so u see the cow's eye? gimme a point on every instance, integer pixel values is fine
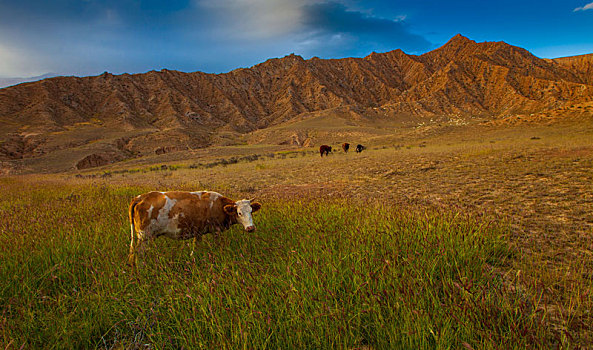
(240, 214)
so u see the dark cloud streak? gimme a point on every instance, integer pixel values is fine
(332, 18)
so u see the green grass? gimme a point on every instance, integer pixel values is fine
(316, 274)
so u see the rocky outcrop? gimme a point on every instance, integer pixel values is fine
(299, 139)
(168, 149)
(20, 145)
(581, 65)
(92, 161)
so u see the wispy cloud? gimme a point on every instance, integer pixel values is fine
(256, 19)
(589, 6)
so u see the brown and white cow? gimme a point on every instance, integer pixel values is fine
(185, 215)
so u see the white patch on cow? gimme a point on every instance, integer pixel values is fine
(163, 224)
(149, 211)
(173, 225)
(244, 213)
(214, 196)
(198, 193)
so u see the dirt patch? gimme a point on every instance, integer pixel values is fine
(168, 149)
(92, 161)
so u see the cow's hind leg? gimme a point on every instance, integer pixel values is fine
(131, 256)
(138, 248)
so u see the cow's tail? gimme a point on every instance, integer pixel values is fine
(131, 213)
(131, 258)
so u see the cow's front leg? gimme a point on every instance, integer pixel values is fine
(217, 233)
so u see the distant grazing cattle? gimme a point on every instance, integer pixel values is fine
(185, 215)
(360, 148)
(325, 149)
(346, 146)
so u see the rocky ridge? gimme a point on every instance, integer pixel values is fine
(171, 110)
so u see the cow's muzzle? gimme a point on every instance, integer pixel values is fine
(250, 228)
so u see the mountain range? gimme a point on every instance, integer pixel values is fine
(117, 117)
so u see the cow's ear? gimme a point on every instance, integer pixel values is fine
(255, 207)
(230, 209)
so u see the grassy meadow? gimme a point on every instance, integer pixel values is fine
(476, 240)
(316, 274)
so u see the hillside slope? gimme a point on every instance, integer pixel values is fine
(123, 116)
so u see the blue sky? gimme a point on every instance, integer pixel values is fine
(88, 37)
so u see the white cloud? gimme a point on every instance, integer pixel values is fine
(589, 6)
(16, 62)
(258, 19)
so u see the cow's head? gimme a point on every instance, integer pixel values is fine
(242, 211)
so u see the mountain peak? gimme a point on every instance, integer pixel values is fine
(294, 56)
(452, 48)
(459, 40)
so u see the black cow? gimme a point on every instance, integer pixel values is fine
(346, 146)
(360, 148)
(325, 149)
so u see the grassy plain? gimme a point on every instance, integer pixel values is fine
(475, 237)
